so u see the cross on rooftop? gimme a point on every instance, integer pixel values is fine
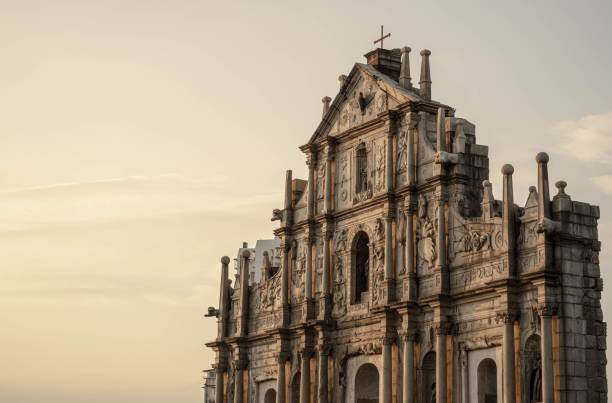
(382, 37)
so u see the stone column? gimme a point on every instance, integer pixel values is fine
(547, 359)
(389, 249)
(305, 377)
(285, 282)
(408, 390)
(411, 122)
(312, 165)
(441, 131)
(441, 364)
(239, 383)
(508, 214)
(326, 280)
(285, 274)
(288, 208)
(389, 158)
(386, 369)
(425, 81)
(508, 357)
(323, 377)
(280, 380)
(404, 79)
(465, 384)
(328, 178)
(543, 190)
(244, 293)
(441, 241)
(308, 282)
(223, 299)
(219, 384)
(410, 245)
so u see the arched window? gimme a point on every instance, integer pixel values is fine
(487, 381)
(361, 264)
(367, 384)
(361, 183)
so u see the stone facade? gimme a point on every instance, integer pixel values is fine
(402, 278)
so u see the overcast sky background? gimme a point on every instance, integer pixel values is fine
(142, 140)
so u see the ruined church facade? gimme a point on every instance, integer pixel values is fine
(402, 279)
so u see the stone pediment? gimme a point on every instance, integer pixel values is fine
(365, 94)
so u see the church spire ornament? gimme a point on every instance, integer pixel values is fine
(382, 37)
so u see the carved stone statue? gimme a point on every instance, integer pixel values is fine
(432, 398)
(535, 383)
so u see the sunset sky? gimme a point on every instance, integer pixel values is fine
(140, 141)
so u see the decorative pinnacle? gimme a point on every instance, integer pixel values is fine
(406, 49)
(561, 186)
(246, 253)
(542, 158)
(425, 52)
(326, 100)
(507, 169)
(225, 260)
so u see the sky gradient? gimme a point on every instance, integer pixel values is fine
(143, 140)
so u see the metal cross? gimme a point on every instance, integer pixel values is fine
(382, 37)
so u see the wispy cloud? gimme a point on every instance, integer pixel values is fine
(133, 197)
(603, 182)
(587, 139)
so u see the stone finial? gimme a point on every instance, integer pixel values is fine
(561, 185)
(543, 191)
(507, 169)
(405, 79)
(246, 254)
(425, 81)
(342, 79)
(561, 201)
(225, 260)
(326, 100)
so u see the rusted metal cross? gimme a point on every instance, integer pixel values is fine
(382, 37)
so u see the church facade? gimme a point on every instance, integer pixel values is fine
(401, 277)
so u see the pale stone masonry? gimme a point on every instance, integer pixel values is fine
(402, 279)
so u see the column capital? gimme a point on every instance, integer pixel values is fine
(506, 316)
(442, 328)
(323, 349)
(547, 309)
(305, 352)
(410, 336)
(282, 357)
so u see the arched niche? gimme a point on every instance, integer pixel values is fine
(295, 388)
(360, 267)
(487, 381)
(532, 369)
(428, 378)
(367, 384)
(270, 396)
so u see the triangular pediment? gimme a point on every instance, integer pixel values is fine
(365, 94)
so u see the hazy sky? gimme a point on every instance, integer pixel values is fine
(143, 140)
